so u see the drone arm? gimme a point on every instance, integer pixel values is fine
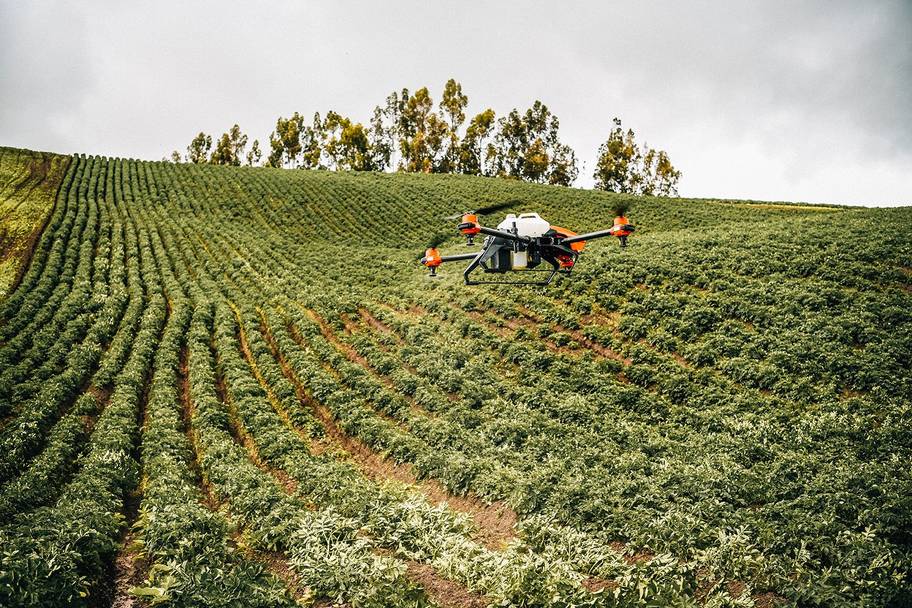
(588, 236)
(458, 257)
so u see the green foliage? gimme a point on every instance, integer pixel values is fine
(285, 142)
(254, 155)
(198, 150)
(624, 166)
(701, 418)
(28, 183)
(527, 146)
(230, 148)
(474, 148)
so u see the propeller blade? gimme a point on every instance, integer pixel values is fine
(487, 209)
(498, 206)
(435, 241)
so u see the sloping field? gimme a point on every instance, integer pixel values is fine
(28, 186)
(237, 387)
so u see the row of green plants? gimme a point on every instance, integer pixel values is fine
(62, 554)
(379, 438)
(69, 356)
(180, 535)
(756, 434)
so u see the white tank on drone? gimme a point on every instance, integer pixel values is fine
(526, 224)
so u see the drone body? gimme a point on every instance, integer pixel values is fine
(524, 243)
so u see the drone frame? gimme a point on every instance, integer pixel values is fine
(554, 247)
(543, 243)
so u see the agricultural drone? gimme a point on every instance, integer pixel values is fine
(520, 243)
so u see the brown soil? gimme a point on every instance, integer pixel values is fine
(637, 558)
(681, 360)
(594, 584)
(130, 569)
(444, 592)
(768, 600)
(102, 395)
(735, 588)
(351, 327)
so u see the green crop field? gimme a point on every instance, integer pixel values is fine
(237, 387)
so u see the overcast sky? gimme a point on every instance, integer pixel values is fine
(802, 101)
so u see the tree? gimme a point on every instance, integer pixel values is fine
(452, 105)
(474, 146)
(528, 147)
(382, 139)
(564, 168)
(198, 150)
(230, 148)
(437, 138)
(664, 176)
(346, 144)
(285, 142)
(623, 166)
(312, 140)
(255, 154)
(412, 130)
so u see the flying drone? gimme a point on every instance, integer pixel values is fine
(520, 243)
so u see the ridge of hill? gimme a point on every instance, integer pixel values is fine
(237, 384)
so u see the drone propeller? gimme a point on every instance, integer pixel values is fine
(487, 209)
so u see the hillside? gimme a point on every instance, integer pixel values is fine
(237, 384)
(28, 185)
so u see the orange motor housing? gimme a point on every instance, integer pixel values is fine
(432, 258)
(470, 218)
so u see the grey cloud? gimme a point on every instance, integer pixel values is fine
(781, 100)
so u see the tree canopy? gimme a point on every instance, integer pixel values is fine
(624, 166)
(408, 132)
